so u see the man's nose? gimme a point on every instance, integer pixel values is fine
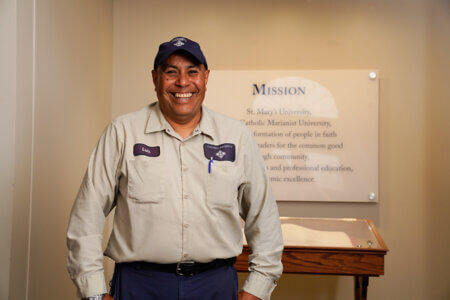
(183, 79)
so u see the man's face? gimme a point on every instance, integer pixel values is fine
(180, 85)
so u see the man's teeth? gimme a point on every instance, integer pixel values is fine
(183, 95)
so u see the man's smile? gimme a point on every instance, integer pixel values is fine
(182, 96)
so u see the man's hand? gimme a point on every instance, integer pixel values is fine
(246, 296)
(108, 297)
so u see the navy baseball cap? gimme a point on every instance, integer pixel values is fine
(179, 44)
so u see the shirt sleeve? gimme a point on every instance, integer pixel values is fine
(262, 225)
(94, 201)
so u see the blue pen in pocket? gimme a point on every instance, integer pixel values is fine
(209, 165)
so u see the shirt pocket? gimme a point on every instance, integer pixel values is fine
(146, 181)
(222, 187)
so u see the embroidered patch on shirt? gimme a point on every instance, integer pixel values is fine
(141, 149)
(221, 152)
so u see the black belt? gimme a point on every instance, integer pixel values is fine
(184, 268)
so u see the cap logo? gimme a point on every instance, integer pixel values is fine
(178, 42)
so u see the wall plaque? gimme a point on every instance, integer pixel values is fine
(317, 130)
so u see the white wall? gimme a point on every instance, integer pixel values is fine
(7, 133)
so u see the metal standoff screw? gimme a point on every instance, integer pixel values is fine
(372, 196)
(372, 75)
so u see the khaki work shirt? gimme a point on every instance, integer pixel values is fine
(172, 203)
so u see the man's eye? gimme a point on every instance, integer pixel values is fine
(193, 72)
(170, 72)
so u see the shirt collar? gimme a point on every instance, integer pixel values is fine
(157, 122)
(205, 124)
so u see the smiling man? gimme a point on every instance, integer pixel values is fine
(180, 177)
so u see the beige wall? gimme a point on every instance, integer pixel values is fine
(64, 106)
(73, 105)
(23, 150)
(89, 69)
(7, 134)
(438, 150)
(392, 36)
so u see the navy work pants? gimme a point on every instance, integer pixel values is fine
(130, 282)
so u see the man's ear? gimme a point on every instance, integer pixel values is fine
(155, 78)
(206, 76)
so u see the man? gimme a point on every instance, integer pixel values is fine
(180, 177)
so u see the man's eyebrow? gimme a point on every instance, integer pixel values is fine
(165, 66)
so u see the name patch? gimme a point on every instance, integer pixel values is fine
(141, 149)
(220, 152)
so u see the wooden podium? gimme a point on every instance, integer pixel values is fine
(330, 246)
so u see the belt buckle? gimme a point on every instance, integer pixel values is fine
(181, 264)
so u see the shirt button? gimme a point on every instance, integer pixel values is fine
(186, 225)
(181, 144)
(186, 196)
(185, 169)
(186, 255)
